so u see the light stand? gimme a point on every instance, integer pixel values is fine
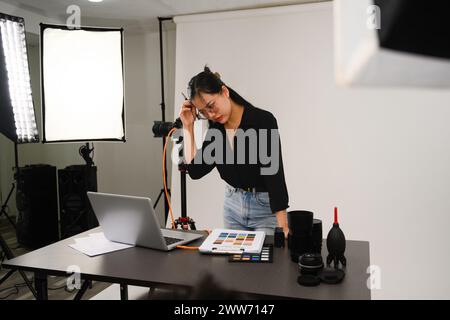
(185, 222)
(17, 118)
(160, 130)
(85, 152)
(4, 246)
(163, 114)
(5, 204)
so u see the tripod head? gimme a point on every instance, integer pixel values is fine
(85, 152)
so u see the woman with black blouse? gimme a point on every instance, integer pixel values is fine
(242, 142)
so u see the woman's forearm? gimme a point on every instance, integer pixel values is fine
(189, 144)
(282, 221)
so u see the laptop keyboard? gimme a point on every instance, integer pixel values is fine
(170, 241)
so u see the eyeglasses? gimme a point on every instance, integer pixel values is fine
(203, 114)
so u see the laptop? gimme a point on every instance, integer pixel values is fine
(132, 220)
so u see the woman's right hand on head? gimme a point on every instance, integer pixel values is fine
(187, 114)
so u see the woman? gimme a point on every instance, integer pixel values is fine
(253, 200)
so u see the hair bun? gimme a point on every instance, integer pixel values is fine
(206, 69)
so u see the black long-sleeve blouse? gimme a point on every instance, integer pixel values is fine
(247, 174)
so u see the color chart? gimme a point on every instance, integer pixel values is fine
(233, 241)
(266, 256)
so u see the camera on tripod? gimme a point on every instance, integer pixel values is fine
(161, 129)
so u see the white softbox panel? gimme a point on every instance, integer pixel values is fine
(82, 84)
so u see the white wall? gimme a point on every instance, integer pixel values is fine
(380, 155)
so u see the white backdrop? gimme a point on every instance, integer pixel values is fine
(381, 155)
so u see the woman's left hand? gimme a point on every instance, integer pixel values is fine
(282, 222)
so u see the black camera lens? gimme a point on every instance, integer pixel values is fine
(310, 263)
(300, 222)
(161, 129)
(300, 240)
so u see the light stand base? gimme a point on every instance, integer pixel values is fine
(9, 256)
(4, 205)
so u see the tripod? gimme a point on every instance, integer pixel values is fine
(4, 246)
(163, 113)
(184, 221)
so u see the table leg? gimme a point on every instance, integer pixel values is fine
(83, 289)
(123, 291)
(41, 285)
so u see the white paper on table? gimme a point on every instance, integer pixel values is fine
(96, 244)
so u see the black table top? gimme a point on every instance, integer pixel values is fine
(148, 267)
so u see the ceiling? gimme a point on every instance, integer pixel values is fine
(139, 15)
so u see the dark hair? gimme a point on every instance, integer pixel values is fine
(209, 82)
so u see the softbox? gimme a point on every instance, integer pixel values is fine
(82, 84)
(17, 118)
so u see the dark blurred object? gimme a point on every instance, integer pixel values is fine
(300, 233)
(392, 43)
(419, 27)
(37, 206)
(279, 237)
(209, 289)
(336, 244)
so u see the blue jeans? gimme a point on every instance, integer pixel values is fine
(245, 210)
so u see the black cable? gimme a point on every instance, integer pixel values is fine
(8, 288)
(23, 284)
(16, 286)
(58, 288)
(9, 295)
(69, 291)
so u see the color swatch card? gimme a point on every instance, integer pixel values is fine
(266, 256)
(233, 241)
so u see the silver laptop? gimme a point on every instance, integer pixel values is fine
(132, 220)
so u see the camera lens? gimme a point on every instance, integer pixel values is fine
(300, 233)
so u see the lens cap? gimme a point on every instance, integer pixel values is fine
(308, 280)
(331, 275)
